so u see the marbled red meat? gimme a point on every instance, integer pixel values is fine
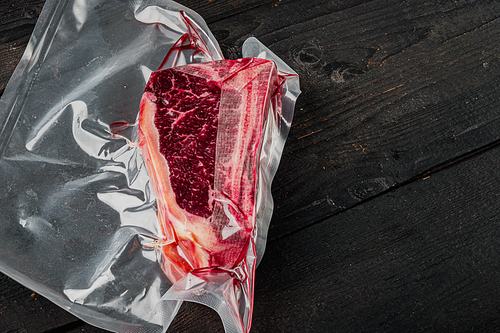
(200, 131)
(186, 120)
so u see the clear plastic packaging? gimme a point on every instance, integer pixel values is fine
(78, 210)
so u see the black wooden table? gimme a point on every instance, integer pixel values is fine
(387, 197)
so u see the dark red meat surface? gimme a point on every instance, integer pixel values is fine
(186, 120)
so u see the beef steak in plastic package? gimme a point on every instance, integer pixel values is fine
(136, 163)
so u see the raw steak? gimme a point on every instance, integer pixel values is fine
(200, 131)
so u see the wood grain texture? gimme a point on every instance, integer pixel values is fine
(214, 10)
(361, 240)
(422, 258)
(22, 310)
(390, 90)
(18, 19)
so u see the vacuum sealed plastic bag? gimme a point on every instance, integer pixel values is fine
(116, 209)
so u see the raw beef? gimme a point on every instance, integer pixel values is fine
(200, 131)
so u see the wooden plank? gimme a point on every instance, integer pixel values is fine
(22, 310)
(390, 90)
(354, 59)
(17, 22)
(214, 10)
(423, 257)
(86, 329)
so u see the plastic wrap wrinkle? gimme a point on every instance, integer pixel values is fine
(80, 221)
